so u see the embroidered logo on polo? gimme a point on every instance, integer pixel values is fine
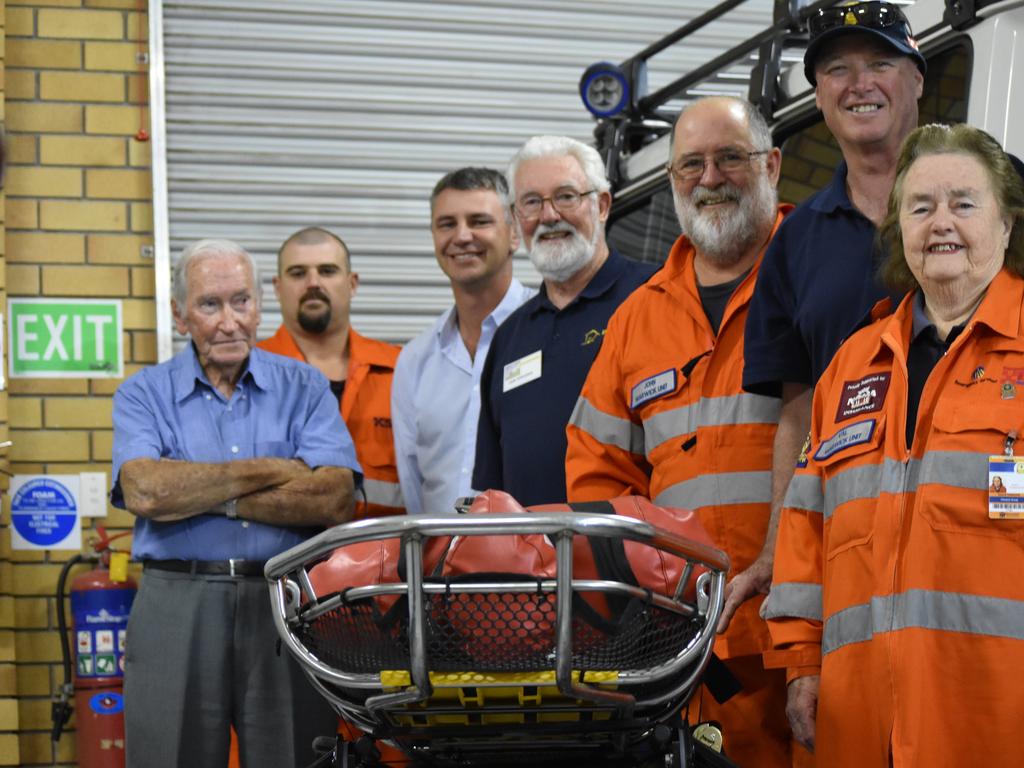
(847, 437)
(591, 336)
(865, 395)
(978, 375)
(652, 388)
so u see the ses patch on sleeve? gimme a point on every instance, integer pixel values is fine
(801, 460)
(652, 388)
(855, 434)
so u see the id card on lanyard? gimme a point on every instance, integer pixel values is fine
(1006, 484)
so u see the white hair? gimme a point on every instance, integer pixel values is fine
(559, 146)
(201, 249)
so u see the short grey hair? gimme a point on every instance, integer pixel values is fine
(760, 133)
(559, 146)
(201, 249)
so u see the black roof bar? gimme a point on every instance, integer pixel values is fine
(788, 23)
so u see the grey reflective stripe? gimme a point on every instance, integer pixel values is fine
(804, 492)
(918, 608)
(723, 488)
(959, 469)
(793, 600)
(384, 493)
(868, 482)
(743, 408)
(607, 429)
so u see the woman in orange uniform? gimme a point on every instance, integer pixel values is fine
(897, 602)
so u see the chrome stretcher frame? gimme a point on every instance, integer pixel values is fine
(633, 702)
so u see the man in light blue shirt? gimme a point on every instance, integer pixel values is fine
(227, 455)
(435, 396)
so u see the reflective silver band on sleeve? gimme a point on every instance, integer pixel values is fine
(793, 600)
(607, 429)
(804, 492)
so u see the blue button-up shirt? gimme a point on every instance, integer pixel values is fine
(280, 408)
(435, 404)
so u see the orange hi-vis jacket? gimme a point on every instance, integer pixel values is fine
(366, 410)
(663, 414)
(889, 571)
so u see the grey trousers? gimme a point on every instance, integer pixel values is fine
(201, 656)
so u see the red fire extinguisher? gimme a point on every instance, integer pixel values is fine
(100, 603)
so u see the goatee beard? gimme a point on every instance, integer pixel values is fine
(314, 323)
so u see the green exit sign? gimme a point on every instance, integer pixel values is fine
(65, 338)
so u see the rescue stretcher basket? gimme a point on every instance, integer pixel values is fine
(505, 670)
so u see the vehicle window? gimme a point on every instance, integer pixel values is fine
(646, 229)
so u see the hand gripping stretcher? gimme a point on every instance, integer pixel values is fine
(508, 638)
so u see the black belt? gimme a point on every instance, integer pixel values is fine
(237, 568)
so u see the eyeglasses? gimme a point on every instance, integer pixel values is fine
(873, 15)
(727, 161)
(564, 200)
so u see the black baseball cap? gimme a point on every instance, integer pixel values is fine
(883, 21)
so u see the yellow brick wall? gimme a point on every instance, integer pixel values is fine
(77, 212)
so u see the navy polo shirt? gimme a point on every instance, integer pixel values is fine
(818, 279)
(520, 442)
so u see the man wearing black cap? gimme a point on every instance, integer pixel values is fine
(817, 279)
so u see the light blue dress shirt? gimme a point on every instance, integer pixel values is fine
(435, 406)
(280, 408)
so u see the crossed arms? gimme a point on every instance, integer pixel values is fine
(269, 490)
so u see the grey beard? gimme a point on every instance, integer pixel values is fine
(724, 241)
(558, 261)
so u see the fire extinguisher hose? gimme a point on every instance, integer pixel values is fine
(60, 711)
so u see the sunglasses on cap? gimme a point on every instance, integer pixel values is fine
(873, 15)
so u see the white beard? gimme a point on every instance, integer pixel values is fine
(558, 260)
(725, 238)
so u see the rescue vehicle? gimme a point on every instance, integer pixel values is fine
(971, 47)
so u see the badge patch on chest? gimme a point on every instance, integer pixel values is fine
(652, 388)
(1012, 375)
(855, 434)
(865, 395)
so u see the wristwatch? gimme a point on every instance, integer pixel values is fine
(231, 509)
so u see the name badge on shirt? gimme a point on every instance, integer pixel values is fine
(652, 388)
(522, 371)
(1006, 487)
(855, 434)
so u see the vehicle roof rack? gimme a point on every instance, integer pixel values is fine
(629, 119)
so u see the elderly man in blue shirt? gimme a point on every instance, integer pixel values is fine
(227, 455)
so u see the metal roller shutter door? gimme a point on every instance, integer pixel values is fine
(345, 113)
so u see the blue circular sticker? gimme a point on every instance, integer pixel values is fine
(107, 703)
(43, 511)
